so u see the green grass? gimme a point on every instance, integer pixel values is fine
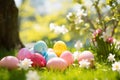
(101, 72)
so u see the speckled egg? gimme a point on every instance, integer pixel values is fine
(24, 53)
(38, 60)
(9, 62)
(59, 47)
(50, 55)
(57, 64)
(86, 55)
(68, 57)
(40, 47)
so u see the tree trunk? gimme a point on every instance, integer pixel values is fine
(9, 30)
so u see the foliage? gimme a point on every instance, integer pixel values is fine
(72, 73)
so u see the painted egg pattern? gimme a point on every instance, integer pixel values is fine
(68, 57)
(86, 55)
(38, 60)
(57, 64)
(59, 47)
(24, 53)
(40, 47)
(9, 62)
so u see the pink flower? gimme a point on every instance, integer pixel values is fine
(97, 32)
(110, 40)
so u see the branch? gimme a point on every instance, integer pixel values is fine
(114, 27)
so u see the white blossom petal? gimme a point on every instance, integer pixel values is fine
(32, 75)
(116, 66)
(25, 64)
(84, 64)
(111, 57)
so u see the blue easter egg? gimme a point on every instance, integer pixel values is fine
(40, 47)
(50, 55)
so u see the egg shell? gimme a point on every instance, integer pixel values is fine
(50, 55)
(24, 53)
(40, 47)
(31, 50)
(59, 47)
(38, 60)
(9, 62)
(57, 64)
(68, 57)
(86, 55)
(50, 50)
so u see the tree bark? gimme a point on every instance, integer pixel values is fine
(9, 29)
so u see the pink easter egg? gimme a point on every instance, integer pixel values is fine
(68, 57)
(24, 53)
(38, 60)
(57, 64)
(86, 55)
(9, 62)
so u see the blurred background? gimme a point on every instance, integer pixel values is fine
(35, 17)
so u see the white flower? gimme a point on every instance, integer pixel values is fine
(69, 16)
(78, 20)
(105, 36)
(76, 55)
(111, 57)
(84, 63)
(78, 45)
(32, 75)
(58, 29)
(80, 13)
(63, 29)
(116, 66)
(25, 64)
(52, 26)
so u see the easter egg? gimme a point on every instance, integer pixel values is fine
(31, 50)
(86, 55)
(40, 47)
(38, 60)
(24, 53)
(57, 64)
(50, 55)
(68, 57)
(59, 47)
(50, 50)
(9, 62)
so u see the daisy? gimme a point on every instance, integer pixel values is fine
(111, 57)
(25, 64)
(116, 66)
(84, 64)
